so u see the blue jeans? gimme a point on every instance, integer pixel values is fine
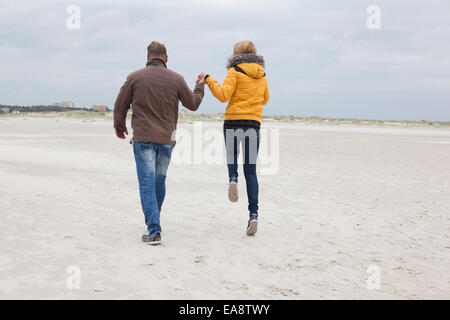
(152, 160)
(249, 138)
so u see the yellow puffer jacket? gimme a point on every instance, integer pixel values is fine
(245, 86)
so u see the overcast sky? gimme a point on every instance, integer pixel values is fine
(321, 59)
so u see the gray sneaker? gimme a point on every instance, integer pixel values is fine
(233, 194)
(252, 226)
(152, 239)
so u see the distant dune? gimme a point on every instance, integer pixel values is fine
(187, 116)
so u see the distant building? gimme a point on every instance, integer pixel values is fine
(64, 104)
(4, 109)
(99, 107)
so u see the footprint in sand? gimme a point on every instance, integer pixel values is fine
(200, 259)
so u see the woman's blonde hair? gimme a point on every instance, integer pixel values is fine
(244, 47)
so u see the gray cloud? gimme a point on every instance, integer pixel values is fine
(321, 58)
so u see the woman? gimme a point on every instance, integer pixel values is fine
(245, 86)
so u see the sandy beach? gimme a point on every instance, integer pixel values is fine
(343, 199)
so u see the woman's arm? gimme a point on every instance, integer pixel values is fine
(266, 94)
(224, 92)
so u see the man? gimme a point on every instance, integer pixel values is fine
(153, 93)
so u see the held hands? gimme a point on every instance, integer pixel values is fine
(201, 78)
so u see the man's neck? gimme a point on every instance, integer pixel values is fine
(156, 60)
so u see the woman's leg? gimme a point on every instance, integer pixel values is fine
(251, 147)
(232, 150)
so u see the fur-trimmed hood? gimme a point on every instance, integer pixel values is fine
(250, 64)
(245, 58)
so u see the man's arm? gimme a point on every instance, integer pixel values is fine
(189, 99)
(121, 107)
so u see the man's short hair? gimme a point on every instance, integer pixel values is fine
(156, 49)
